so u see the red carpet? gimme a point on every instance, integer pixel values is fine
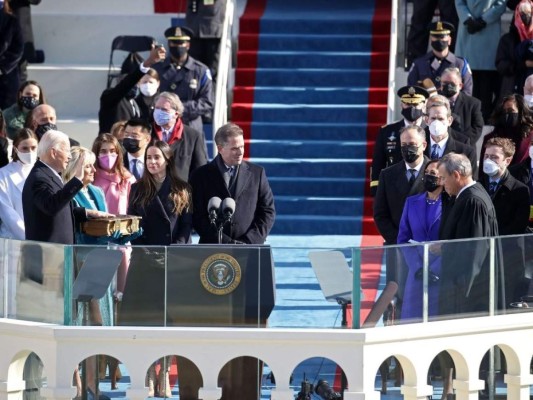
(371, 261)
(242, 107)
(170, 6)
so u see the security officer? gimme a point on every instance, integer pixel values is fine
(433, 64)
(387, 148)
(188, 78)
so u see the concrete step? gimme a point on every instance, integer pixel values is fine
(115, 7)
(83, 130)
(73, 90)
(79, 38)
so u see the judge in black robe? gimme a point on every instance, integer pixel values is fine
(466, 265)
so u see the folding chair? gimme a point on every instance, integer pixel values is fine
(129, 44)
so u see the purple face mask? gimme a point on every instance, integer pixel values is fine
(107, 161)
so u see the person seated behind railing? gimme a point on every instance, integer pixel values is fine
(29, 96)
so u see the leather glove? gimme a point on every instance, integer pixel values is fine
(475, 25)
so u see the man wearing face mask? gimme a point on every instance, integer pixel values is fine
(136, 140)
(511, 201)
(118, 103)
(439, 120)
(43, 119)
(466, 110)
(396, 183)
(188, 78)
(188, 145)
(439, 58)
(387, 147)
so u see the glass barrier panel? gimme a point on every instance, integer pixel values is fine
(515, 253)
(422, 282)
(35, 281)
(117, 285)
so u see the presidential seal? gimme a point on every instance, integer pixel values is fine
(220, 274)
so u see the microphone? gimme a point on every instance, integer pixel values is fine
(228, 208)
(212, 208)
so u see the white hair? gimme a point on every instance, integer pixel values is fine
(51, 140)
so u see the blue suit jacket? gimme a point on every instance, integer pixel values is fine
(413, 226)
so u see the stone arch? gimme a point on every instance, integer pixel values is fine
(26, 370)
(317, 368)
(241, 377)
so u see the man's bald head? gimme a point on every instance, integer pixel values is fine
(44, 113)
(43, 118)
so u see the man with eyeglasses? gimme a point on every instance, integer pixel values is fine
(136, 140)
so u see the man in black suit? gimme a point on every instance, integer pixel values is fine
(119, 102)
(229, 176)
(43, 118)
(46, 201)
(511, 202)
(466, 110)
(396, 183)
(137, 136)
(387, 147)
(188, 144)
(465, 264)
(439, 120)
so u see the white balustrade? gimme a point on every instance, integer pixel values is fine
(358, 352)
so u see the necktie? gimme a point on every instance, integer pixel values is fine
(492, 187)
(435, 152)
(412, 177)
(231, 171)
(135, 169)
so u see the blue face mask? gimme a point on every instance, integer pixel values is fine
(162, 117)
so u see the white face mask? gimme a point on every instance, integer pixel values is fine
(438, 130)
(27, 158)
(531, 152)
(490, 167)
(529, 99)
(148, 89)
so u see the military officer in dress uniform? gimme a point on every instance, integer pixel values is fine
(188, 78)
(433, 64)
(387, 148)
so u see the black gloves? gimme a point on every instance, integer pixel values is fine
(475, 25)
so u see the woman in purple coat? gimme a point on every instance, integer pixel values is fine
(420, 222)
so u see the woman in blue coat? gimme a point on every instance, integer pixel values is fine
(420, 222)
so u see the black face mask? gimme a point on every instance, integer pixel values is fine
(410, 153)
(439, 45)
(431, 182)
(178, 52)
(449, 89)
(411, 114)
(509, 120)
(42, 129)
(526, 19)
(29, 102)
(131, 145)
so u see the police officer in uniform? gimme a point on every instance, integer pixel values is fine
(387, 148)
(188, 78)
(433, 64)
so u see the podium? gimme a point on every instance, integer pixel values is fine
(202, 286)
